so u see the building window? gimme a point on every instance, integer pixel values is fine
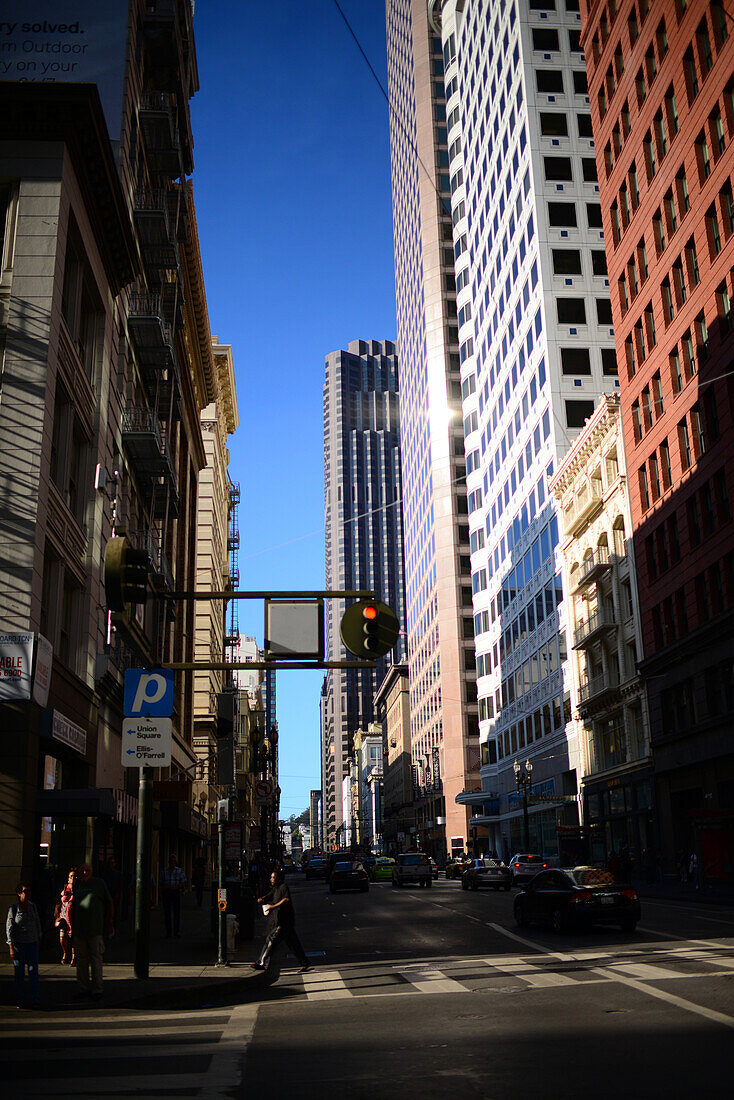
(684, 444)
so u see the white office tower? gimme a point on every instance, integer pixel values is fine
(537, 349)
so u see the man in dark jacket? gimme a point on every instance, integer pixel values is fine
(281, 924)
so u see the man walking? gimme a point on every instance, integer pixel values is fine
(173, 884)
(281, 924)
(92, 915)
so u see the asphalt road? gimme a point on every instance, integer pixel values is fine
(426, 993)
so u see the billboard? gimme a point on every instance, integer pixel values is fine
(68, 41)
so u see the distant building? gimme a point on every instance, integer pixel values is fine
(364, 538)
(392, 704)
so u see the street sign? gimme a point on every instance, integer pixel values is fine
(146, 742)
(148, 692)
(264, 789)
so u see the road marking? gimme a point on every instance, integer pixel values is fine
(224, 1075)
(434, 981)
(562, 956)
(645, 971)
(670, 998)
(325, 985)
(533, 975)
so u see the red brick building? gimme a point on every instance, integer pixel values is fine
(661, 86)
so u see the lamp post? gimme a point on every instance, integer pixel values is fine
(524, 784)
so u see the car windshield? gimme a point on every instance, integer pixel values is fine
(590, 876)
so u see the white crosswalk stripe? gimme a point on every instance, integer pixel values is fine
(533, 971)
(124, 1053)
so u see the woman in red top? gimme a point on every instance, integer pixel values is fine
(62, 919)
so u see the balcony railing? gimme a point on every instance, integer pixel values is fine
(151, 336)
(595, 687)
(584, 505)
(601, 621)
(592, 568)
(158, 124)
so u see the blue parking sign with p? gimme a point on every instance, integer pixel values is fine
(148, 693)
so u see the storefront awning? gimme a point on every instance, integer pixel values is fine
(98, 802)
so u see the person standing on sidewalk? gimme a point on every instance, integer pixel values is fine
(173, 884)
(281, 924)
(23, 933)
(62, 918)
(92, 916)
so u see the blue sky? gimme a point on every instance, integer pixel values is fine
(292, 187)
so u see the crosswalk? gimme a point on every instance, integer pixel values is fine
(453, 975)
(118, 1054)
(114, 1054)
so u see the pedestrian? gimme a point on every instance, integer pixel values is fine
(693, 870)
(92, 915)
(173, 884)
(23, 934)
(113, 880)
(281, 924)
(62, 919)
(198, 878)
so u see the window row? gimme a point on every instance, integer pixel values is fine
(554, 124)
(553, 716)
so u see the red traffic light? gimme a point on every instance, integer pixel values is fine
(370, 611)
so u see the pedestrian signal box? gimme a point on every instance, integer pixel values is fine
(369, 628)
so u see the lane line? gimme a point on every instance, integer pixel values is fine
(670, 998)
(647, 971)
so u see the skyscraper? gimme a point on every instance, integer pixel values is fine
(364, 538)
(443, 715)
(662, 97)
(536, 348)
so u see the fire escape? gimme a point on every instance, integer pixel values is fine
(232, 638)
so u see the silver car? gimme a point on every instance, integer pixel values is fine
(412, 868)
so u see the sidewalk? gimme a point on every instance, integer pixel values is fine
(183, 972)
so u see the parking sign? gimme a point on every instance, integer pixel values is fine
(148, 693)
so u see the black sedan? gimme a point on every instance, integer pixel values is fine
(577, 897)
(316, 867)
(348, 875)
(486, 872)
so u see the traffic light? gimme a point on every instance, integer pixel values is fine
(369, 628)
(125, 574)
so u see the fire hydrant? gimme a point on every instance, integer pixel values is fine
(232, 930)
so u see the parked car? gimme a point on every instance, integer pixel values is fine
(576, 897)
(455, 866)
(383, 868)
(349, 875)
(486, 872)
(523, 867)
(316, 867)
(412, 868)
(434, 868)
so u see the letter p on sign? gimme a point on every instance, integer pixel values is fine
(148, 693)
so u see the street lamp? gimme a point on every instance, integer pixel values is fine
(524, 784)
